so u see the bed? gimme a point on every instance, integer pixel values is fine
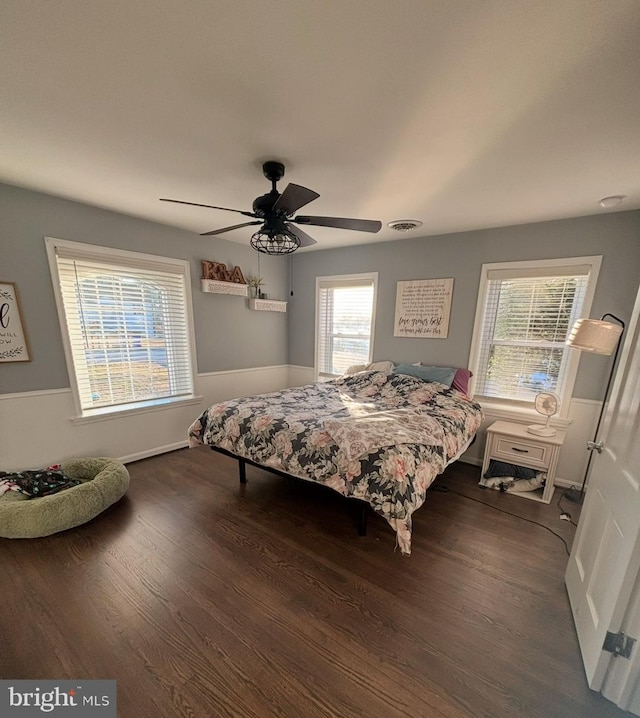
(381, 437)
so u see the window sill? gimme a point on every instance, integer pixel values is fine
(142, 407)
(523, 414)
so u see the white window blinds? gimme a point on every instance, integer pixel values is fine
(128, 327)
(345, 310)
(527, 317)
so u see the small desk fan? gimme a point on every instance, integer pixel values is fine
(546, 404)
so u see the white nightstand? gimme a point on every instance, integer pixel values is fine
(512, 443)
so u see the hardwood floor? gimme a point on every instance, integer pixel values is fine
(203, 599)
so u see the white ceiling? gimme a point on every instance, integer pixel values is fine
(463, 114)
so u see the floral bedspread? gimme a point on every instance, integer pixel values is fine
(379, 437)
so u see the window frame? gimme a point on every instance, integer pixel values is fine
(340, 280)
(530, 268)
(113, 255)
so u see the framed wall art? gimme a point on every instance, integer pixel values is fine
(423, 307)
(13, 342)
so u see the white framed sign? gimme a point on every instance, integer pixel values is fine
(423, 307)
(13, 342)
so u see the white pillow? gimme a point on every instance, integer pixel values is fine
(374, 366)
(381, 366)
(355, 369)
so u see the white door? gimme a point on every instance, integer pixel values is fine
(605, 556)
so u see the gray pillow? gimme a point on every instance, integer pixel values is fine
(442, 374)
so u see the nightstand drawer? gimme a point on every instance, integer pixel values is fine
(515, 451)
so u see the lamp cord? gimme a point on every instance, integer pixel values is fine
(291, 275)
(502, 511)
(565, 515)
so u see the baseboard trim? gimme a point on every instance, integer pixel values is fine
(154, 452)
(564, 483)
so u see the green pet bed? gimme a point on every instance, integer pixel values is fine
(104, 481)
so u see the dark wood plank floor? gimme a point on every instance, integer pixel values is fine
(206, 599)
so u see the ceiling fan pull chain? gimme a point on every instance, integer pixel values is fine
(291, 275)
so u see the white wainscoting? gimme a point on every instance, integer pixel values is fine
(301, 375)
(36, 428)
(222, 385)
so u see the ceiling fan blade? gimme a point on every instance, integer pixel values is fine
(210, 206)
(228, 229)
(304, 239)
(294, 197)
(361, 225)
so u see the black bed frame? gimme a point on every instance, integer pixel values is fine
(363, 506)
(242, 473)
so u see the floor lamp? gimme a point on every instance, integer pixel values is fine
(598, 337)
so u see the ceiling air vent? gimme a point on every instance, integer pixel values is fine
(404, 225)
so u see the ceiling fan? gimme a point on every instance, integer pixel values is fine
(274, 211)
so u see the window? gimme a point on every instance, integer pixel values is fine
(525, 313)
(126, 324)
(344, 322)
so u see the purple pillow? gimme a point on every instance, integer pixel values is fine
(461, 381)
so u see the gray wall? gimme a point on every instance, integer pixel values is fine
(228, 334)
(614, 236)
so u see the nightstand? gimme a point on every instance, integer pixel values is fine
(510, 442)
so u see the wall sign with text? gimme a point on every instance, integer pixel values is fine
(13, 343)
(423, 307)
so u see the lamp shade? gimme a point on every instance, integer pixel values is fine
(594, 335)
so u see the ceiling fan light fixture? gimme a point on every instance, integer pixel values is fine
(404, 225)
(274, 211)
(274, 242)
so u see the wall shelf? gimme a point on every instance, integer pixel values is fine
(215, 286)
(267, 305)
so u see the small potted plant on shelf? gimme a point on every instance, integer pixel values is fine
(254, 285)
